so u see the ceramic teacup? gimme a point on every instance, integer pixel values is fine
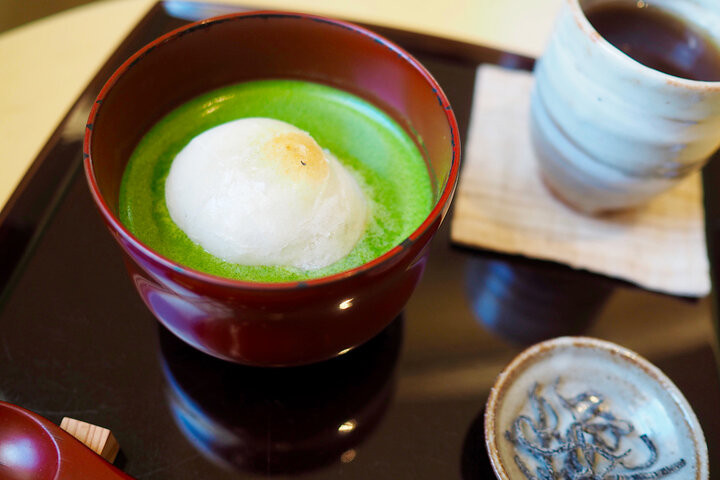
(610, 132)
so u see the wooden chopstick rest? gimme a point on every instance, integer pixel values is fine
(98, 439)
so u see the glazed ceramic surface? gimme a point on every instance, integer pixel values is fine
(568, 385)
(261, 323)
(610, 132)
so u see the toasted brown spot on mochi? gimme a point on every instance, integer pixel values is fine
(298, 156)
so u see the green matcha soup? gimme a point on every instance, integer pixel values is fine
(382, 157)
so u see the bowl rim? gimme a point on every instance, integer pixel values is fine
(536, 352)
(446, 192)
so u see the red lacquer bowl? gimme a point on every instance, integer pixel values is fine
(271, 323)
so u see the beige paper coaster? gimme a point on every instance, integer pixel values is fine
(503, 205)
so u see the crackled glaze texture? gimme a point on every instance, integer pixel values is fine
(577, 387)
(610, 132)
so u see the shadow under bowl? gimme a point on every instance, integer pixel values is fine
(271, 324)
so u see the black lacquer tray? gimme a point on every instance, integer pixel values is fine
(76, 340)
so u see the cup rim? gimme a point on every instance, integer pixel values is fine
(589, 30)
(446, 192)
(525, 358)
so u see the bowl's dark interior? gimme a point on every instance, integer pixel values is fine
(250, 47)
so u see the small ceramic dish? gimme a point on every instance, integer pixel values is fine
(577, 407)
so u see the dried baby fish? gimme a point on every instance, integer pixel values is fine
(588, 449)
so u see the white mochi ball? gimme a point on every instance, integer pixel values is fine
(258, 191)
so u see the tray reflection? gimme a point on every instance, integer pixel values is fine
(280, 421)
(524, 304)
